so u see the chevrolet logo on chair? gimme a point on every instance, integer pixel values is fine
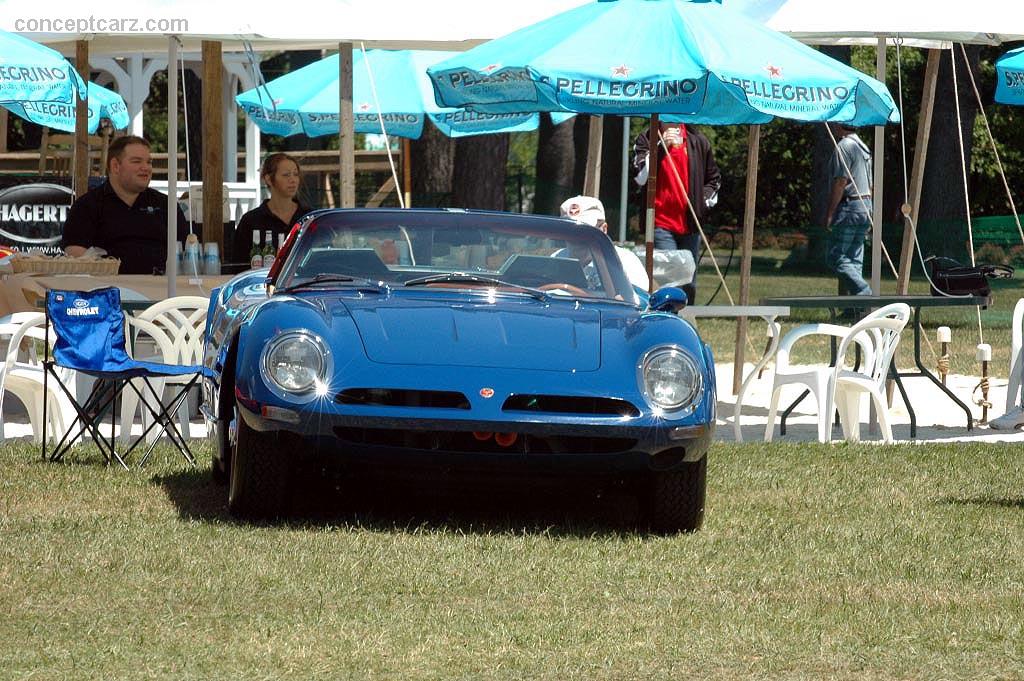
(82, 309)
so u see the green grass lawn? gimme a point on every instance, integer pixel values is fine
(770, 279)
(814, 562)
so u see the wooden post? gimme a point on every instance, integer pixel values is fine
(753, 147)
(592, 176)
(81, 166)
(213, 145)
(171, 267)
(407, 171)
(924, 126)
(879, 174)
(346, 128)
(652, 185)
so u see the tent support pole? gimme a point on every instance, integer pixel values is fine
(346, 128)
(924, 129)
(172, 165)
(750, 203)
(81, 168)
(879, 174)
(213, 145)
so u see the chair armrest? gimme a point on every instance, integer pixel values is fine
(793, 335)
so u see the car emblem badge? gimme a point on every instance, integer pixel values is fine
(487, 393)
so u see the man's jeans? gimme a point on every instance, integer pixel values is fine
(846, 246)
(665, 240)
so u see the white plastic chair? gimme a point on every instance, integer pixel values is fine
(840, 387)
(1013, 396)
(183, 320)
(24, 379)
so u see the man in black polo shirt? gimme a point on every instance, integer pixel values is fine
(124, 216)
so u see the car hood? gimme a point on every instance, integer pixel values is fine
(552, 336)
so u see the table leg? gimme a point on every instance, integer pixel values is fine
(769, 352)
(930, 376)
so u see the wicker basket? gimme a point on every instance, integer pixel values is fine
(38, 264)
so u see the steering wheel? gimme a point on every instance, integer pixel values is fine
(574, 290)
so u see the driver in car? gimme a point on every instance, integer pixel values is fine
(589, 211)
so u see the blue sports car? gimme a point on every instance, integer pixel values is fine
(422, 340)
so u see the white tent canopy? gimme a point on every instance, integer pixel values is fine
(120, 26)
(919, 23)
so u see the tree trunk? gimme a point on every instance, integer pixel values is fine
(942, 225)
(192, 87)
(556, 162)
(433, 160)
(479, 174)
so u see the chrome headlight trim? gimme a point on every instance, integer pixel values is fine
(306, 393)
(689, 401)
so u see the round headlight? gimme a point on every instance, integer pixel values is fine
(671, 379)
(295, 362)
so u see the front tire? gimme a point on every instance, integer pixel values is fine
(260, 475)
(676, 498)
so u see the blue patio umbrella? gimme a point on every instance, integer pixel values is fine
(306, 100)
(1010, 77)
(698, 59)
(103, 103)
(30, 72)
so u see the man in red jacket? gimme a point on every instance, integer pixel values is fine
(689, 153)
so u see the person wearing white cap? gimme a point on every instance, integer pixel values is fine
(587, 210)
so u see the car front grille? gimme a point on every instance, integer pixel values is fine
(400, 397)
(571, 405)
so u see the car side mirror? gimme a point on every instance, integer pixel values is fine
(668, 299)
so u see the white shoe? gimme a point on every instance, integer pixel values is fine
(1010, 420)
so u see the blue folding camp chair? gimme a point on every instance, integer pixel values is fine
(90, 338)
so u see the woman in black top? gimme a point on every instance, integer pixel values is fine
(282, 175)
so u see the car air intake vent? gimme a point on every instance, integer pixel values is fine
(564, 404)
(398, 397)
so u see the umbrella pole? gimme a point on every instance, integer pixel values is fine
(747, 246)
(624, 181)
(407, 171)
(652, 184)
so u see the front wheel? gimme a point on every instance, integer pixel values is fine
(260, 474)
(676, 498)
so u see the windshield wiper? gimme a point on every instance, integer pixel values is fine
(360, 282)
(464, 278)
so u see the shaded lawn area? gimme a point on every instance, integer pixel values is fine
(814, 562)
(769, 278)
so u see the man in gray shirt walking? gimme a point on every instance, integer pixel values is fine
(849, 207)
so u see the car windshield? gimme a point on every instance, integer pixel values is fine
(454, 249)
